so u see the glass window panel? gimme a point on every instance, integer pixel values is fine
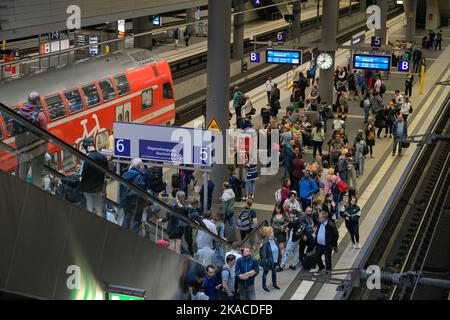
(107, 89)
(55, 107)
(74, 100)
(123, 87)
(91, 94)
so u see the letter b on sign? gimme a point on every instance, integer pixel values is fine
(403, 66)
(374, 17)
(254, 57)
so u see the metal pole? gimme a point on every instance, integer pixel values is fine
(350, 7)
(382, 32)
(40, 60)
(329, 31)
(205, 192)
(318, 10)
(296, 12)
(238, 30)
(218, 80)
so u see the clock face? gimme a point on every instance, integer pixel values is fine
(324, 61)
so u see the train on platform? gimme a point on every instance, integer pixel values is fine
(85, 98)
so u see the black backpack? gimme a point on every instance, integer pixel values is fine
(155, 180)
(70, 189)
(219, 274)
(383, 88)
(176, 181)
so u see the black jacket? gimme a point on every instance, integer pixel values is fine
(331, 234)
(92, 180)
(266, 256)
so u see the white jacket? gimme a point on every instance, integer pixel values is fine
(228, 194)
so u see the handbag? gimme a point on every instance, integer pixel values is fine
(404, 145)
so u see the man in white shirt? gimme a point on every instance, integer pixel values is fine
(235, 250)
(269, 87)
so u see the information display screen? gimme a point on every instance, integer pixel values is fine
(283, 56)
(372, 62)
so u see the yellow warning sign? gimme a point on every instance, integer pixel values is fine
(214, 125)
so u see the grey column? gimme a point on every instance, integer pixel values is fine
(190, 17)
(238, 30)
(383, 4)
(218, 79)
(362, 5)
(140, 25)
(410, 13)
(296, 11)
(111, 32)
(329, 32)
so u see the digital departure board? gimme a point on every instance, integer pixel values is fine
(283, 56)
(372, 62)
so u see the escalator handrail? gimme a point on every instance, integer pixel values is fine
(265, 223)
(41, 133)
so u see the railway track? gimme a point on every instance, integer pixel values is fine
(414, 233)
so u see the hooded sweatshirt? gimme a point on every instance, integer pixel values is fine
(227, 200)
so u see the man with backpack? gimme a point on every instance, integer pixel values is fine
(275, 100)
(226, 277)
(307, 189)
(131, 203)
(35, 147)
(92, 179)
(307, 240)
(438, 41)
(245, 222)
(297, 165)
(239, 101)
(227, 207)
(246, 270)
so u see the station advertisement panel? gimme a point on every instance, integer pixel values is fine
(283, 56)
(372, 62)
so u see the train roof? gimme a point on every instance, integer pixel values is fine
(55, 80)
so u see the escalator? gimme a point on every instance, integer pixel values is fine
(53, 249)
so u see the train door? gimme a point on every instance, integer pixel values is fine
(123, 112)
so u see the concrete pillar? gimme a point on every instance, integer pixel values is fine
(296, 11)
(218, 79)
(410, 13)
(143, 24)
(363, 5)
(111, 32)
(238, 30)
(190, 17)
(329, 33)
(383, 4)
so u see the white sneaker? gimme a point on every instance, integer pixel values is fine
(357, 246)
(354, 246)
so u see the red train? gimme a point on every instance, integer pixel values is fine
(84, 99)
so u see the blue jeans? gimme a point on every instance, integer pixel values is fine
(248, 185)
(361, 166)
(274, 277)
(291, 246)
(229, 218)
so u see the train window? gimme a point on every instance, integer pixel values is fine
(68, 160)
(91, 94)
(74, 100)
(123, 87)
(147, 99)
(56, 107)
(101, 140)
(167, 91)
(107, 89)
